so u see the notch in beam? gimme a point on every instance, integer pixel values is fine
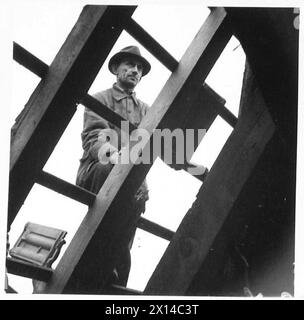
(105, 112)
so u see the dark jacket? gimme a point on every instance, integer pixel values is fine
(130, 108)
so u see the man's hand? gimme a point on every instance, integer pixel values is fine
(108, 154)
(114, 158)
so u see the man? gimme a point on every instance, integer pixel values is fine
(129, 67)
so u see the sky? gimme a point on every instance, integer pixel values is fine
(41, 27)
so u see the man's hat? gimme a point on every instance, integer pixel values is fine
(130, 52)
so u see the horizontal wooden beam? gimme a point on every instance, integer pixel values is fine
(201, 225)
(29, 61)
(65, 188)
(105, 229)
(28, 270)
(53, 103)
(143, 37)
(155, 229)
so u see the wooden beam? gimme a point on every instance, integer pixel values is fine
(270, 39)
(208, 98)
(155, 229)
(222, 111)
(105, 228)
(210, 279)
(40, 68)
(67, 189)
(143, 37)
(261, 224)
(53, 103)
(119, 290)
(28, 270)
(203, 222)
(199, 114)
(205, 119)
(29, 61)
(9, 289)
(105, 112)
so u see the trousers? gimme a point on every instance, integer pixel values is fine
(93, 180)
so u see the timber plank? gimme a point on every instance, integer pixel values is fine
(119, 290)
(260, 225)
(105, 228)
(105, 112)
(196, 233)
(28, 270)
(53, 103)
(196, 117)
(67, 189)
(155, 229)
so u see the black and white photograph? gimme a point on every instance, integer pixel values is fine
(152, 150)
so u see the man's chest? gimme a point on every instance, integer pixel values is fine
(127, 109)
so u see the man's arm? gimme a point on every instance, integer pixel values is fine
(98, 138)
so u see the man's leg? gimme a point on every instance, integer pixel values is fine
(124, 264)
(93, 181)
(95, 177)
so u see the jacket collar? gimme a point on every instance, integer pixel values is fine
(119, 94)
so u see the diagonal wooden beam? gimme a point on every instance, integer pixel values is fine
(105, 227)
(53, 103)
(203, 222)
(29, 61)
(119, 290)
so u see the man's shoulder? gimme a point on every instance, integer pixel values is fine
(103, 95)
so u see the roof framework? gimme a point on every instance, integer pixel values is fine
(264, 129)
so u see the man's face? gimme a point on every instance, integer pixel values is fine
(129, 73)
